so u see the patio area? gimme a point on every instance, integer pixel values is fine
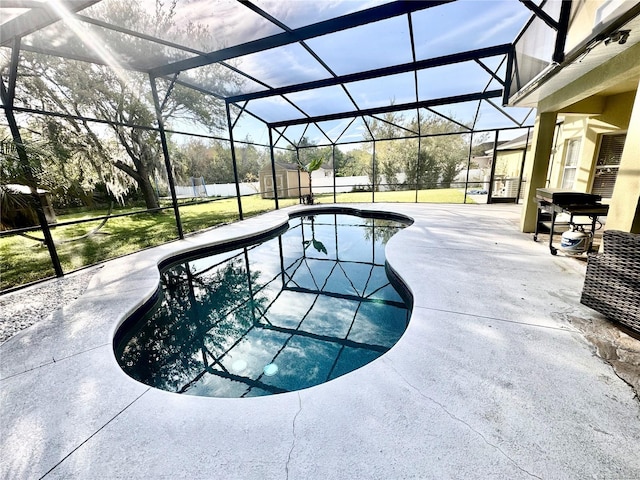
(495, 377)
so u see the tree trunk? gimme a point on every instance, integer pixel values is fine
(142, 155)
(148, 192)
(143, 180)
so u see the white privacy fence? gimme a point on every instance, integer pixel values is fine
(216, 190)
(320, 185)
(343, 184)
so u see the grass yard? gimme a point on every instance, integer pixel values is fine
(24, 260)
(444, 195)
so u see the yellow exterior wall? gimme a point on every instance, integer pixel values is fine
(602, 101)
(582, 19)
(615, 117)
(620, 114)
(570, 128)
(536, 171)
(624, 213)
(587, 15)
(508, 163)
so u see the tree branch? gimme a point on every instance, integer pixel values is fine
(129, 170)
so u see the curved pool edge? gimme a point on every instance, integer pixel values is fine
(155, 257)
(261, 225)
(488, 360)
(201, 242)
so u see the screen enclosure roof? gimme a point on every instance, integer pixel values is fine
(292, 63)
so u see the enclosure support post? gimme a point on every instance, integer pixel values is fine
(524, 158)
(493, 167)
(373, 169)
(167, 159)
(7, 100)
(418, 162)
(333, 164)
(273, 171)
(299, 176)
(234, 161)
(466, 183)
(561, 32)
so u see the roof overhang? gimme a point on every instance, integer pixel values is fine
(601, 47)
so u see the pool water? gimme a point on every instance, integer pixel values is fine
(289, 313)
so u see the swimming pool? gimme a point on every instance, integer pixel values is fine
(304, 307)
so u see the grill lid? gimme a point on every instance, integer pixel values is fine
(560, 196)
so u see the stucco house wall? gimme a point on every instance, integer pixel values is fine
(599, 98)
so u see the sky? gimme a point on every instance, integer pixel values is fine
(442, 30)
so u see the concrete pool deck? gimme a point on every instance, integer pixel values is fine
(491, 379)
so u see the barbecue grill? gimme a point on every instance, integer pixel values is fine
(552, 201)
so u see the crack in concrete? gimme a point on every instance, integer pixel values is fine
(93, 434)
(566, 329)
(293, 432)
(635, 397)
(606, 342)
(53, 361)
(458, 419)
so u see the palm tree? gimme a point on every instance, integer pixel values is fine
(19, 189)
(310, 167)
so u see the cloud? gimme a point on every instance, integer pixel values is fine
(479, 20)
(507, 23)
(229, 23)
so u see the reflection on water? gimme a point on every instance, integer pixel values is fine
(292, 312)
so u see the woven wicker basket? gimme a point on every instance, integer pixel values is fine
(612, 281)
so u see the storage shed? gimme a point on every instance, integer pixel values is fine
(290, 181)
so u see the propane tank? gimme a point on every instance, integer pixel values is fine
(575, 241)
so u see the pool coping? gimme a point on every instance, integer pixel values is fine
(109, 416)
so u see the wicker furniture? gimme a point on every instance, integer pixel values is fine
(612, 282)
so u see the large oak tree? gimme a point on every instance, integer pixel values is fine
(126, 152)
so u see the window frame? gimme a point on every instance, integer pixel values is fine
(568, 149)
(613, 168)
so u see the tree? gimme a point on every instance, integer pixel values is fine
(19, 208)
(385, 161)
(451, 167)
(310, 167)
(428, 171)
(123, 98)
(352, 163)
(250, 160)
(199, 313)
(441, 156)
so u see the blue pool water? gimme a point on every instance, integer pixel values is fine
(289, 313)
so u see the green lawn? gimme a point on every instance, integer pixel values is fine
(445, 195)
(24, 260)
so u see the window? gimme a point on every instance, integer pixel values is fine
(608, 164)
(572, 153)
